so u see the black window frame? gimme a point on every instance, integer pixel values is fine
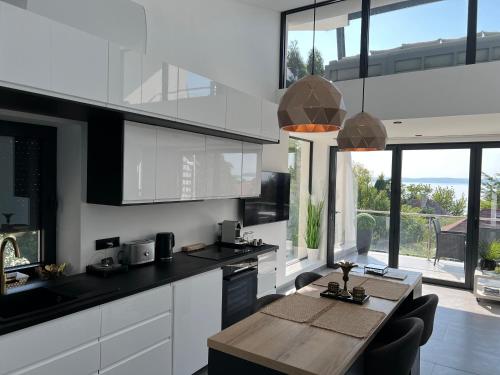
(47, 137)
(470, 52)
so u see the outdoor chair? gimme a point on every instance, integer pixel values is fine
(448, 244)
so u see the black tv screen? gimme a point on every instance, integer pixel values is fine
(273, 203)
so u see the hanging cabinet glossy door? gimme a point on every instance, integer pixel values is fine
(243, 113)
(251, 170)
(125, 77)
(139, 163)
(201, 100)
(224, 161)
(180, 170)
(25, 47)
(270, 127)
(79, 63)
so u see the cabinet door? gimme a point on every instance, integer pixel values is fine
(224, 161)
(159, 87)
(251, 170)
(125, 77)
(243, 113)
(79, 63)
(156, 360)
(139, 163)
(82, 361)
(180, 167)
(270, 126)
(25, 47)
(201, 100)
(197, 316)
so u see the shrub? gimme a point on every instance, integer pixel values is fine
(313, 225)
(365, 221)
(491, 251)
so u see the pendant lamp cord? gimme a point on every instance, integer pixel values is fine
(314, 37)
(363, 98)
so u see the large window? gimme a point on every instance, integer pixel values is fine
(338, 30)
(27, 193)
(299, 158)
(399, 36)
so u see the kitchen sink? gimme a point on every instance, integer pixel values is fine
(21, 303)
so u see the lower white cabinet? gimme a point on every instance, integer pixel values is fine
(266, 277)
(156, 360)
(197, 316)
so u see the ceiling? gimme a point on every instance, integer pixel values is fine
(278, 5)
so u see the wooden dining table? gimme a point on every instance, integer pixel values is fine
(269, 345)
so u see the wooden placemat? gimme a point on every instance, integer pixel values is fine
(337, 276)
(393, 291)
(297, 308)
(348, 319)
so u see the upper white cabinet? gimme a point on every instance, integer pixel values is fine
(243, 113)
(24, 47)
(159, 87)
(79, 63)
(201, 100)
(139, 163)
(180, 171)
(197, 316)
(125, 77)
(270, 126)
(251, 170)
(224, 162)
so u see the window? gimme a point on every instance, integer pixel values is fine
(27, 192)
(417, 35)
(488, 31)
(337, 43)
(299, 164)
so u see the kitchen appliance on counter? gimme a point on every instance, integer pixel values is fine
(164, 246)
(230, 233)
(137, 252)
(239, 291)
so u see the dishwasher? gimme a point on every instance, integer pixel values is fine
(239, 291)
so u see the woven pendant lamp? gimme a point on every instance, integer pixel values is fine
(312, 104)
(362, 132)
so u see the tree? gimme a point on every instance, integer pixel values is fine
(490, 190)
(319, 65)
(445, 197)
(296, 69)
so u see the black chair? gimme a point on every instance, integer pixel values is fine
(449, 244)
(423, 308)
(266, 300)
(395, 348)
(305, 279)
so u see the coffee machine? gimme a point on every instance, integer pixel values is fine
(230, 233)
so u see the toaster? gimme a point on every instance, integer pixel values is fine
(137, 252)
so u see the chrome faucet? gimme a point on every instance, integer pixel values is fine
(17, 253)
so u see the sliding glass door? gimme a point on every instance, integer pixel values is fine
(431, 208)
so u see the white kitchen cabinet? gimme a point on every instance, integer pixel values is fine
(156, 360)
(25, 47)
(197, 316)
(139, 163)
(180, 170)
(251, 170)
(243, 113)
(266, 277)
(79, 64)
(159, 87)
(224, 162)
(80, 361)
(33, 345)
(201, 100)
(270, 126)
(125, 77)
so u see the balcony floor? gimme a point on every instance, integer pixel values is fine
(443, 270)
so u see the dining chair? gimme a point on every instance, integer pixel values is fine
(423, 308)
(305, 279)
(266, 300)
(395, 348)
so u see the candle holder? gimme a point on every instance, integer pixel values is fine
(346, 268)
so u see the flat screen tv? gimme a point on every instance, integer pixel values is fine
(273, 203)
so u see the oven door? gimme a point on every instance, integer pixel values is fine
(239, 295)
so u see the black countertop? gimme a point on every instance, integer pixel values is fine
(98, 290)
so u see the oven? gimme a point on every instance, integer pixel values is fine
(239, 291)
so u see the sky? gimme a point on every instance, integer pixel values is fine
(443, 19)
